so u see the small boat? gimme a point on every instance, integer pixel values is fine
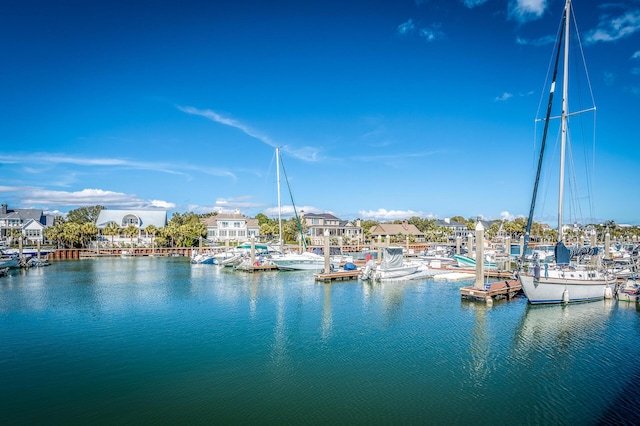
(392, 266)
(469, 262)
(9, 260)
(305, 261)
(629, 291)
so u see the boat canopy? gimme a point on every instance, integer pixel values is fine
(392, 257)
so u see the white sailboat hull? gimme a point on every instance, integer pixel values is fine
(552, 289)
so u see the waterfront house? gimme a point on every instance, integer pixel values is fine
(30, 222)
(138, 218)
(318, 224)
(397, 231)
(231, 227)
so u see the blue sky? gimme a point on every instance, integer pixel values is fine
(383, 109)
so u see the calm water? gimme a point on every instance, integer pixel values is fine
(157, 340)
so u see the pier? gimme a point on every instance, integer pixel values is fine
(337, 276)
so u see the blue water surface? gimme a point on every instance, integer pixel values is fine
(161, 341)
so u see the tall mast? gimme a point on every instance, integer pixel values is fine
(565, 107)
(279, 205)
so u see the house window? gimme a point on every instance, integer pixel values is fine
(211, 233)
(236, 224)
(130, 220)
(232, 233)
(224, 224)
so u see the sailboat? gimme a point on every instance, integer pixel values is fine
(562, 281)
(306, 261)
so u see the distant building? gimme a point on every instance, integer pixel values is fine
(231, 227)
(397, 231)
(318, 224)
(30, 222)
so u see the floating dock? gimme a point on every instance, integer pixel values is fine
(257, 268)
(337, 276)
(496, 290)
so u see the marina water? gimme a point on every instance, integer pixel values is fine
(158, 340)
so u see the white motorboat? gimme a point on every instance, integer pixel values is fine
(392, 266)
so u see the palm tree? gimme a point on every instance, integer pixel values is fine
(111, 229)
(131, 231)
(151, 230)
(88, 230)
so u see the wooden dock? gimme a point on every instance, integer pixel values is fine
(257, 268)
(497, 290)
(337, 276)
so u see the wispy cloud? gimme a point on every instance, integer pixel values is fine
(473, 3)
(406, 27)
(504, 97)
(526, 10)
(36, 196)
(614, 28)
(636, 55)
(429, 33)
(541, 41)
(384, 214)
(49, 160)
(304, 153)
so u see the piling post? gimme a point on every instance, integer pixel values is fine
(253, 250)
(607, 245)
(470, 244)
(521, 246)
(327, 262)
(38, 246)
(479, 256)
(592, 243)
(20, 247)
(406, 242)
(378, 257)
(458, 244)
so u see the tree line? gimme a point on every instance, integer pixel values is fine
(79, 229)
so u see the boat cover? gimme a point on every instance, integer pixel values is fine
(392, 257)
(564, 254)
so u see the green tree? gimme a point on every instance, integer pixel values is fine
(88, 231)
(84, 214)
(112, 229)
(151, 230)
(131, 231)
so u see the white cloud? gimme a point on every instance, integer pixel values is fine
(504, 97)
(526, 10)
(636, 55)
(406, 27)
(612, 29)
(505, 215)
(288, 211)
(86, 197)
(383, 214)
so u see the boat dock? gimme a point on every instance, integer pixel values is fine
(495, 290)
(337, 276)
(256, 268)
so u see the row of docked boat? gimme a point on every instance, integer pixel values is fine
(249, 254)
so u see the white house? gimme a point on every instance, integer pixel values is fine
(138, 218)
(231, 227)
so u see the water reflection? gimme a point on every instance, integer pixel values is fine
(327, 318)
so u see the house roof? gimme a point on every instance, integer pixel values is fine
(395, 229)
(212, 221)
(23, 214)
(321, 215)
(157, 218)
